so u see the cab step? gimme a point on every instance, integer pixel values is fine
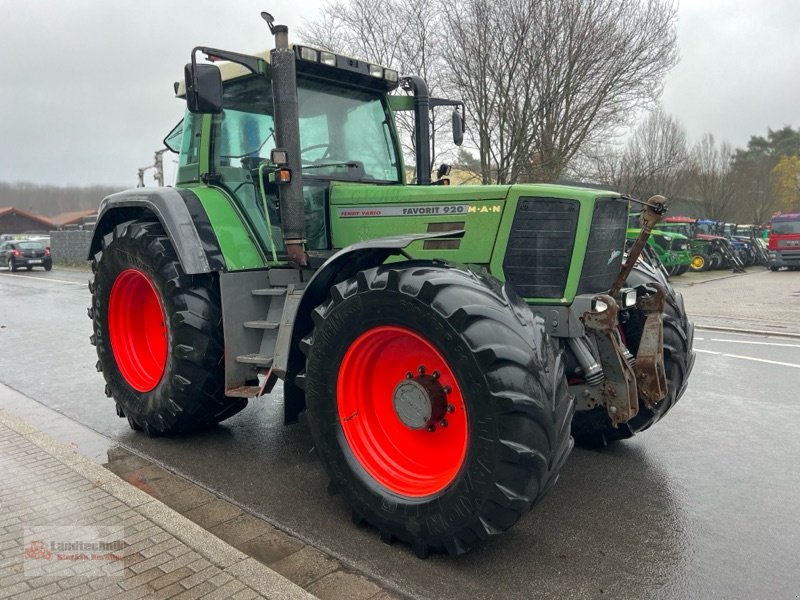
(243, 391)
(276, 291)
(260, 360)
(262, 324)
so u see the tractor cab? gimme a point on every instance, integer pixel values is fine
(346, 128)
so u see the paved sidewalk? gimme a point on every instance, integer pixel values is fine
(129, 545)
(757, 301)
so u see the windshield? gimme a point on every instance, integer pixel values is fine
(683, 229)
(344, 133)
(786, 227)
(706, 228)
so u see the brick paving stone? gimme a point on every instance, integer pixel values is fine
(170, 591)
(199, 565)
(103, 583)
(182, 561)
(153, 561)
(271, 547)
(161, 557)
(226, 590)
(221, 579)
(196, 591)
(17, 588)
(200, 576)
(246, 594)
(78, 591)
(167, 579)
(240, 529)
(213, 513)
(38, 592)
(188, 499)
(341, 584)
(129, 583)
(305, 566)
(179, 550)
(11, 579)
(160, 547)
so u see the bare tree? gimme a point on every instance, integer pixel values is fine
(653, 161)
(487, 52)
(404, 35)
(544, 78)
(711, 179)
(656, 156)
(541, 79)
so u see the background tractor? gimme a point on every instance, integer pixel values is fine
(667, 249)
(438, 339)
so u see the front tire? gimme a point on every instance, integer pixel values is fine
(157, 333)
(437, 405)
(11, 266)
(593, 428)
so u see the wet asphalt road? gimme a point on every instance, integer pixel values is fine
(704, 505)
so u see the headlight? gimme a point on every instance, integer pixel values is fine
(327, 58)
(628, 298)
(308, 54)
(599, 305)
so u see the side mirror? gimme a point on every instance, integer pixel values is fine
(458, 128)
(203, 88)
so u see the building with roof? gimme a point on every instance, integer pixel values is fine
(80, 219)
(15, 221)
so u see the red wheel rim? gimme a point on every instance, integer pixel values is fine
(138, 330)
(409, 462)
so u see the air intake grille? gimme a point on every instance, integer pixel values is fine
(606, 242)
(540, 246)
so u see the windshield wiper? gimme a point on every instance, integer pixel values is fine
(349, 165)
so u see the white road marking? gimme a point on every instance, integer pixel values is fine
(761, 360)
(50, 279)
(756, 343)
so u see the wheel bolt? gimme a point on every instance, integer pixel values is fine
(443, 423)
(421, 369)
(451, 408)
(409, 375)
(431, 428)
(435, 374)
(447, 389)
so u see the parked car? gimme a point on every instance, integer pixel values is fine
(16, 254)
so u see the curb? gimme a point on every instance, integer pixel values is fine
(249, 571)
(748, 331)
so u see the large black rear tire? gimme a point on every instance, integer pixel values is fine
(593, 428)
(437, 486)
(158, 333)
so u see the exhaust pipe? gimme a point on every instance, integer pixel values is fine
(287, 136)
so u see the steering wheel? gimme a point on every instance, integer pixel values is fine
(325, 154)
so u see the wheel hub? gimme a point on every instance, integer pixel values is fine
(420, 403)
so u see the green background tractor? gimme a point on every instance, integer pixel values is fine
(439, 339)
(671, 248)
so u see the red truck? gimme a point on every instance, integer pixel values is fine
(784, 241)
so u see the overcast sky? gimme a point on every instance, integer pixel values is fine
(86, 85)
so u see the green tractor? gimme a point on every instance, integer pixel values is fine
(439, 340)
(670, 248)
